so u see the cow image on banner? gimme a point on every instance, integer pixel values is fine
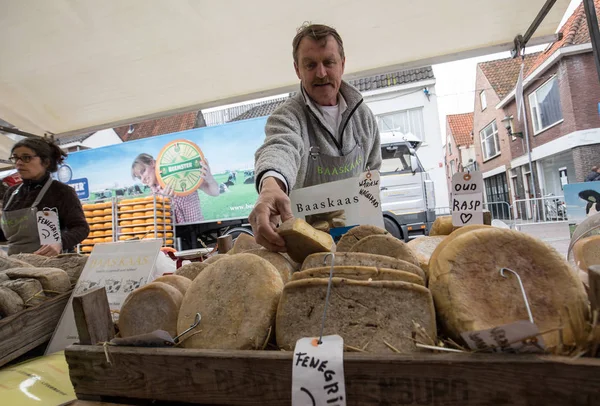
(467, 198)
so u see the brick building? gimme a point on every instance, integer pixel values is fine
(459, 150)
(561, 96)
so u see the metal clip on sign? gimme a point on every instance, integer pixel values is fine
(332, 255)
(193, 326)
(522, 291)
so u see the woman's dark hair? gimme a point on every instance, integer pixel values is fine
(46, 149)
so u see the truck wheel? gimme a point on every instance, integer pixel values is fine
(236, 231)
(392, 227)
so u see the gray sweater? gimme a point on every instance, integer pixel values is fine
(286, 147)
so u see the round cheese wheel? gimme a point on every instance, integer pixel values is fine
(127, 201)
(125, 223)
(470, 293)
(87, 249)
(87, 206)
(150, 206)
(152, 228)
(127, 230)
(167, 207)
(107, 225)
(442, 226)
(151, 235)
(150, 213)
(386, 245)
(134, 222)
(140, 236)
(181, 283)
(95, 226)
(98, 212)
(220, 291)
(169, 242)
(168, 220)
(423, 248)
(86, 241)
(149, 308)
(88, 213)
(107, 211)
(108, 233)
(97, 240)
(356, 234)
(139, 229)
(168, 227)
(97, 233)
(125, 216)
(169, 234)
(108, 239)
(97, 219)
(125, 237)
(138, 207)
(107, 218)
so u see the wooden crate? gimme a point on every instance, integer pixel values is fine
(264, 377)
(30, 328)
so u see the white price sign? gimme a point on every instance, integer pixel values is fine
(318, 372)
(467, 198)
(48, 227)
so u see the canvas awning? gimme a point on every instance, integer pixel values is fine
(73, 66)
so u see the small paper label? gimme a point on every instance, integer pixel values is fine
(467, 198)
(518, 337)
(48, 227)
(318, 372)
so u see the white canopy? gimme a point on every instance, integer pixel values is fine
(69, 66)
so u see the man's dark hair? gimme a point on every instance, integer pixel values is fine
(317, 32)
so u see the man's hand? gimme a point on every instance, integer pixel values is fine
(50, 250)
(272, 204)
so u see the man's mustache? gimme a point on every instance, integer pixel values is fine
(321, 82)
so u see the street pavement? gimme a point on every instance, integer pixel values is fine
(555, 234)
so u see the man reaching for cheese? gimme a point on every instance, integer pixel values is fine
(315, 137)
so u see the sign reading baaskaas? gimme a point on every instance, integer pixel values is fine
(341, 204)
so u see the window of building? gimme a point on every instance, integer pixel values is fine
(452, 168)
(545, 106)
(403, 122)
(497, 194)
(483, 100)
(490, 144)
(449, 147)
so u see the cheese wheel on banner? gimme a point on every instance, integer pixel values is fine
(125, 223)
(470, 293)
(219, 292)
(151, 307)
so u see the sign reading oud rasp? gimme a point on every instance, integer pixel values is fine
(119, 268)
(48, 227)
(178, 167)
(467, 198)
(340, 204)
(318, 372)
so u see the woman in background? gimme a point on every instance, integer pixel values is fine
(35, 159)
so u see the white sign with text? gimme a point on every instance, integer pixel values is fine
(467, 198)
(342, 203)
(48, 227)
(518, 337)
(120, 268)
(318, 372)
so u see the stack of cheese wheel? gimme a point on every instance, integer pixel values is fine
(145, 218)
(100, 218)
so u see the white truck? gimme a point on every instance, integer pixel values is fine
(407, 192)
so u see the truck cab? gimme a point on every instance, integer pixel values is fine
(407, 193)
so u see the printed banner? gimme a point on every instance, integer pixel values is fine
(209, 170)
(582, 200)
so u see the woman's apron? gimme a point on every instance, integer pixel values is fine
(20, 226)
(324, 168)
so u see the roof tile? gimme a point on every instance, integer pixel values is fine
(461, 127)
(503, 73)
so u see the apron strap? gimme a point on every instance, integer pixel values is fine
(12, 195)
(42, 192)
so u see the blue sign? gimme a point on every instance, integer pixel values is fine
(81, 187)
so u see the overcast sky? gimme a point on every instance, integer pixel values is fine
(455, 87)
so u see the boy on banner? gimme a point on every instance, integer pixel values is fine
(323, 134)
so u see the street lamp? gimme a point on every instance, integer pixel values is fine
(508, 124)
